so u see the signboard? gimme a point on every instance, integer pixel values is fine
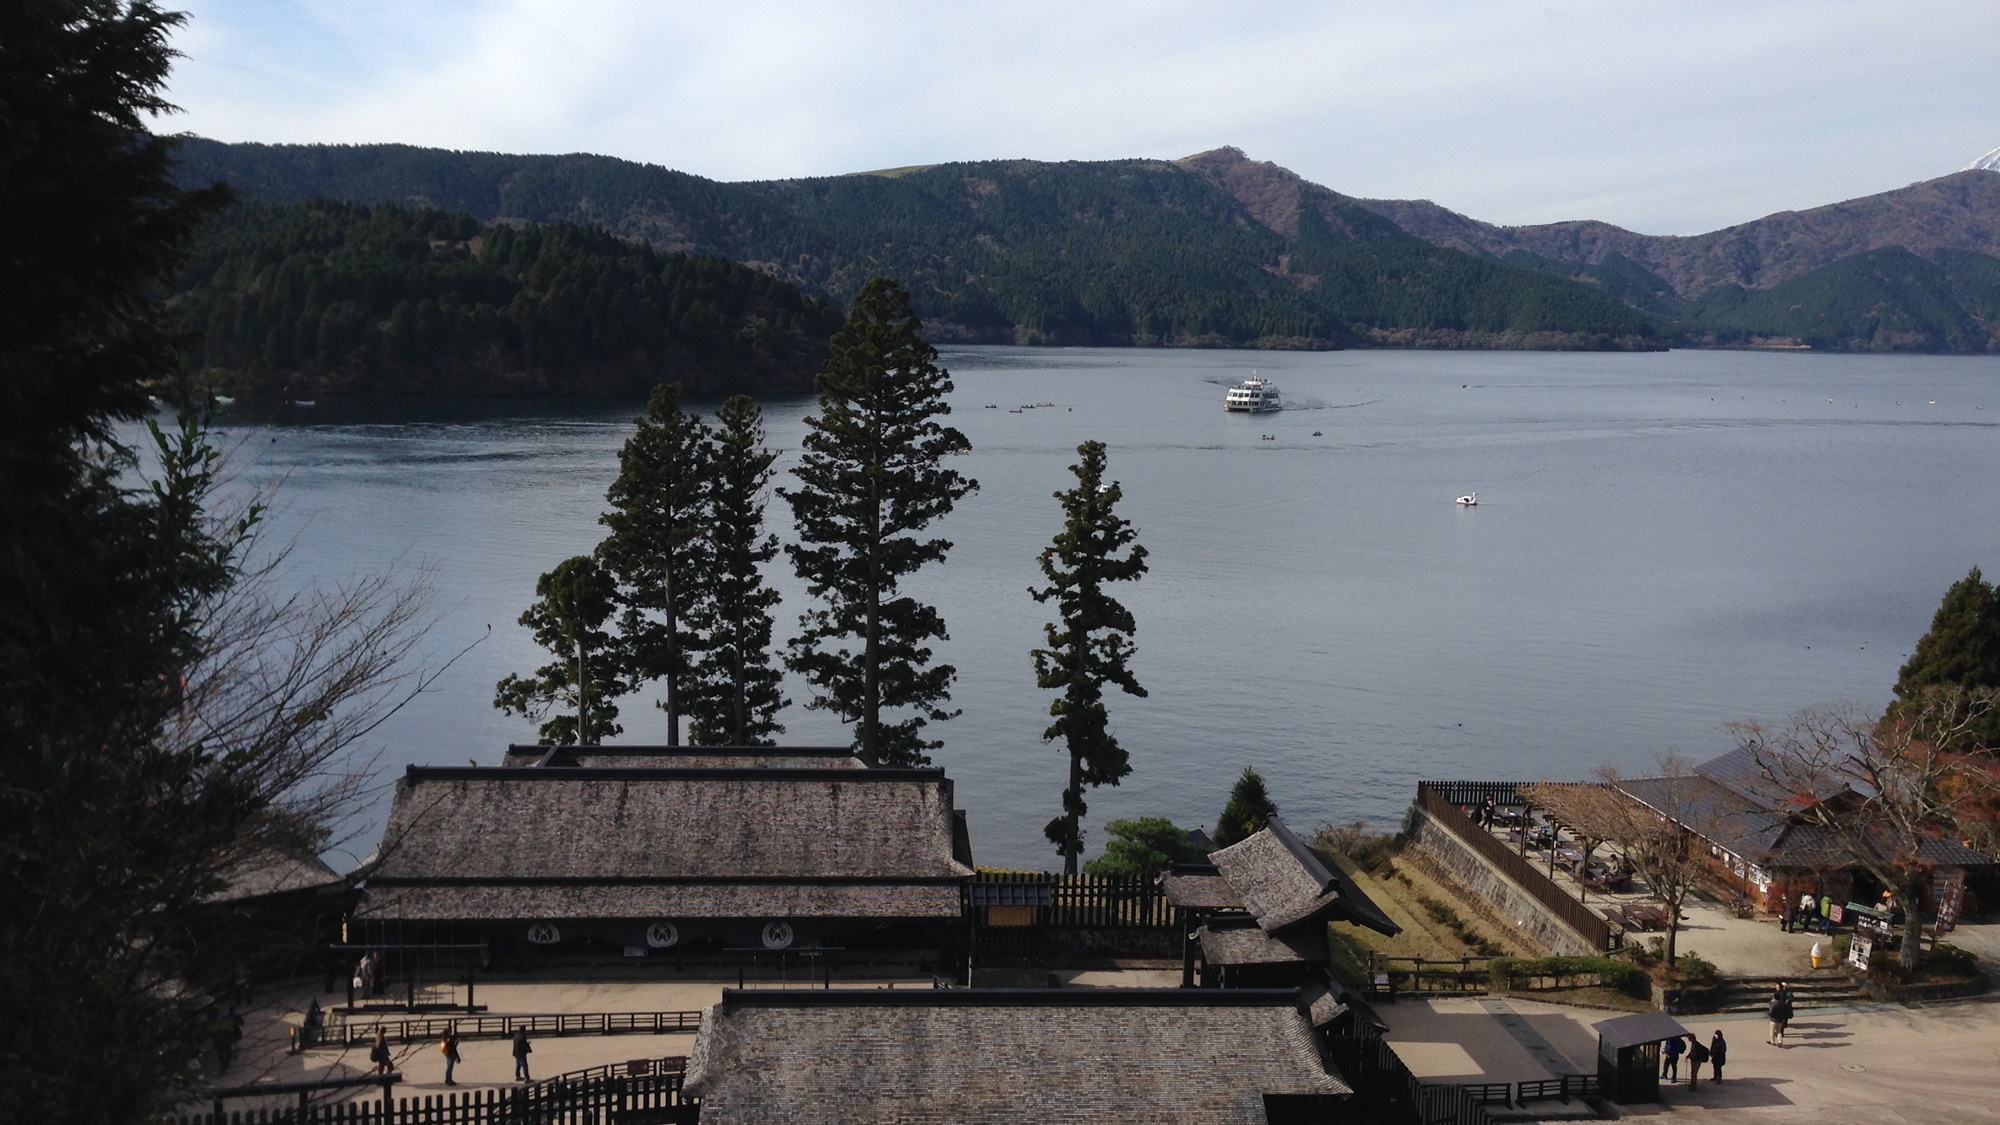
(662, 935)
(544, 933)
(1858, 951)
(778, 935)
(1834, 913)
(1950, 899)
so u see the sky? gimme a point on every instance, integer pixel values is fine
(1666, 118)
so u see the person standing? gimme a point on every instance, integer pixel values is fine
(379, 1053)
(521, 1052)
(1789, 915)
(450, 1049)
(1780, 1013)
(1806, 905)
(1718, 1053)
(1670, 1058)
(1697, 1055)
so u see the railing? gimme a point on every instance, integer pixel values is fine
(654, 1099)
(1566, 907)
(1467, 974)
(347, 1033)
(1564, 1088)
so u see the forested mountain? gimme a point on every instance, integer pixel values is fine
(1114, 252)
(1881, 300)
(1956, 212)
(1217, 249)
(321, 297)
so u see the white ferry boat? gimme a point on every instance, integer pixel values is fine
(1253, 396)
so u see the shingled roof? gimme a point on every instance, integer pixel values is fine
(1248, 945)
(535, 843)
(1730, 801)
(683, 757)
(1186, 1056)
(1283, 882)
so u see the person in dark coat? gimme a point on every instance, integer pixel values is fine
(521, 1052)
(1697, 1055)
(1670, 1058)
(1780, 1012)
(450, 1049)
(379, 1053)
(1790, 915)
(1718, 1053)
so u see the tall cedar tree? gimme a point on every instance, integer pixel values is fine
(1089, 647)
(113, 837)
(736, 698)
(871, 475)
(658, 547)
(576, 603)
(1962, 650)
(1248, 807)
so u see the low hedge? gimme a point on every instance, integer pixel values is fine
(1510, 973)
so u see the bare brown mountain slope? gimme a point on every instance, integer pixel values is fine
(1956, 212)
(1272, 194)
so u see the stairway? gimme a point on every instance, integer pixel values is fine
(1811, 990)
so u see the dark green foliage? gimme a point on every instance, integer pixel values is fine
(1961, 650)
(1617, 277)
(576, 603)
(327, 297)
(1143, 849)
(871, 476)
(1525, 973)
(1244, 815)
(736, 698)
(1090, 645)
(111, 833)
(1124, 252)
(1373, 275)
(1880, 300)
(659, 548)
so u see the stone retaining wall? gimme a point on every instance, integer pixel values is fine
(1536, 922)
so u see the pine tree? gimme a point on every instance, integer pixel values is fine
(1249, 806)
(1091, 644)
(658, 547)
(871, 475)
(1962, 650)
(578, 598)
(737, 695)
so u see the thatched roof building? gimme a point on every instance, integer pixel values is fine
(684, 757)
(613, 851)
(956, 1055)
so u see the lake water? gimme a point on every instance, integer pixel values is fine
(1664, 543)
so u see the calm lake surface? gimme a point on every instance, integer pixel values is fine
(1664, 543)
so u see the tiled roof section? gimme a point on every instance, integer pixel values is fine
(1739, 771)
(271, 872)
(617, 843)
(1279, 880)
(488, 902)
(1188, 1057)
(1210, 892)
(684, 757)
(1729, 817)
(1248, 945)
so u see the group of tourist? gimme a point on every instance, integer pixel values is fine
(1715, 1053)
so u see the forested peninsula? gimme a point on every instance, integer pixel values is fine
(319, 297)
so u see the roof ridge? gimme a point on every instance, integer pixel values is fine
(694, 773)
(1012, 998)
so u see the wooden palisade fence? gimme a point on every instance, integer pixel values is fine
(1574, 914)
(349, 1032)
(1080, 902)
(605, 1099)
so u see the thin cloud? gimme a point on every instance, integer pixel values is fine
(1667, 118)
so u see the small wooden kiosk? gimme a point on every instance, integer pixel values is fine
(1628, 1055)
